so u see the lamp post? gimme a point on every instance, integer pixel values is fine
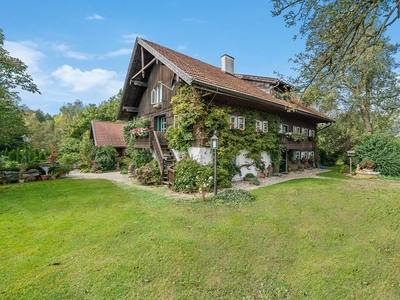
(214, 145)
(26, 140)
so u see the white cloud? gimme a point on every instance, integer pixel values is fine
(67, 52)
(182, 47)
(82, 81)
(25, 52)
(131, 38)
(94, 17)
(123, 51)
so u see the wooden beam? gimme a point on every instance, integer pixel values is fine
(141, 50)
(140, 83)
(144, 68)
(131, 109)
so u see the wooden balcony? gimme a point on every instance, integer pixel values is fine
(292, 145)
(142, 142)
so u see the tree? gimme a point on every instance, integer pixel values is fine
(369, 87)
(347, 66)
(342, 22)
(12, 126)
(12, 75)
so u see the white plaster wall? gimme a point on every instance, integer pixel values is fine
(204, 156)
(241, 159)
(201, 154)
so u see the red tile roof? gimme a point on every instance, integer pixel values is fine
(204, 74)
(108, 133)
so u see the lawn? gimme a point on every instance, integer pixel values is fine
(303, 239)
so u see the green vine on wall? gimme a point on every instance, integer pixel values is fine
(198, 118)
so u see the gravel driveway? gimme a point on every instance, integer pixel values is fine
(124, 178)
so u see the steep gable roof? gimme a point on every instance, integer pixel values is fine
(107, 133)
(203, 75)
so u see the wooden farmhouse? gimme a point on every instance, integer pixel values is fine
(154, 76)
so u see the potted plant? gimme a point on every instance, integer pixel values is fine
(248, 176)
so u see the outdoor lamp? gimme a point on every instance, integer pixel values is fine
(214, 141)
(214, 145)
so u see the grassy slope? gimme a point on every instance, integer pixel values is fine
(308, 238)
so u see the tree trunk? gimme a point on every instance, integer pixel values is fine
(366, 119)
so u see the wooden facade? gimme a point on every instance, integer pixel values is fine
(154, 68)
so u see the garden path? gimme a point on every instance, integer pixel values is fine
(124, 178)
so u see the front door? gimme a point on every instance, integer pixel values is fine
(161, 123)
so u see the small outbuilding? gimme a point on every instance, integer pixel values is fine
(104, 133)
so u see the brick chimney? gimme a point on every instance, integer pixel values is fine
(227, 64)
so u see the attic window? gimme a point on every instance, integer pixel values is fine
(156, 95)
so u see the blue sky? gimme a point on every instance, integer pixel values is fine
(81, 49)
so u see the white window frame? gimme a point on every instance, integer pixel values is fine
(258, 125)
(304, 131)
(265, 126)
(241, 122)
(153, 96)
(157, 95)
(311, 133)
(284, 126)
(296, 129)
(304, 155)
(262, 126)
(311, 155)
(232, 122)
(237, 122)
(163, 124)
(297, 155)
(176, 122)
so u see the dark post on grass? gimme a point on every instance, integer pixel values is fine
(214, 145)
(350, 154)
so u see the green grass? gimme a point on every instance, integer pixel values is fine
(334, 172)
(303, 239)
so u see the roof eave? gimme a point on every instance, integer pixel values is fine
(258, 100)
(124, 95)
(183, 75)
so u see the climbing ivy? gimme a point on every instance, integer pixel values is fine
(198, 118)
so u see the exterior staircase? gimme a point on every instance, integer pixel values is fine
(164, 155)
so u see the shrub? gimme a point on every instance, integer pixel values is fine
(149, 174)
(383, 151)
(344, 169)
(249, 175)
(188, 174)
(141, 157)
(105, 158)
(234, 195)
